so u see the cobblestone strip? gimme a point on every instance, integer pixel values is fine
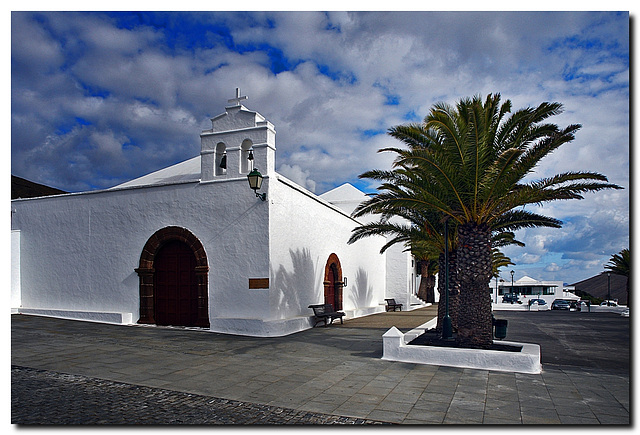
(47, 397)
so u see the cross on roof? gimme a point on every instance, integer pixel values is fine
(236, 101)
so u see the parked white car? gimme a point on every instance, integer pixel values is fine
(538, 305)
(609, 304)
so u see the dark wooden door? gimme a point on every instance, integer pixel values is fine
(332, 294)
(176, 287)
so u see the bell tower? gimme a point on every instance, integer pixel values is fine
(239, 140)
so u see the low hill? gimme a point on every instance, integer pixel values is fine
(21, 188)
(597, 286)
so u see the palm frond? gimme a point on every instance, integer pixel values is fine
(469, 161)
(620, 263)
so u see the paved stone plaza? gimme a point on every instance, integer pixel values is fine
(96, 401)
(77, 372)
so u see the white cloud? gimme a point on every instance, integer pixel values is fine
(84, 89)
(527, 258)
(552, 267)
(296, 174)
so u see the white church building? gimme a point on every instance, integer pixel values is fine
(193, 246)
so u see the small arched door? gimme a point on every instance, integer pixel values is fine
(333, 282)
(176, 285)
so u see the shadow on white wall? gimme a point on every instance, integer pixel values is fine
(295, 289)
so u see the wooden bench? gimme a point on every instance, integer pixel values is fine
(392, 305)
(324, 312)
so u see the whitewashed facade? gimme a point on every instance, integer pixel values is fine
(249, 266)
(530, 288)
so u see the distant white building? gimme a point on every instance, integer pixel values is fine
(192, 245)
(527, 287)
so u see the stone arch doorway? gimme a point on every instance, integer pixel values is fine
(174, 279)
(333, 282)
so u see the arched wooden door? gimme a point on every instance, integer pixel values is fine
(174, 279)
(333, 282)
(176, 285)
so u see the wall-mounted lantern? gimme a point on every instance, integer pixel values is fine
(255, 183)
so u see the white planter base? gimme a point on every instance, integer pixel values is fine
(396, 349)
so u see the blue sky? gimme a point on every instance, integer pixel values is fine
(101, 98)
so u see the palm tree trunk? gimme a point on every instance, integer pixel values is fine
(475, 328)
(431, 284)
(453, 291)
(427, 283)
(422, 290)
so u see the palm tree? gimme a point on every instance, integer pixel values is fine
(421, 231)
(498, 260)
(411, 231)
(620, 264)
(410, 236)
(470, 161)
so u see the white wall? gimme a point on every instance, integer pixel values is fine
(305, 231)
(79, 251)
(399, 272)
(15, 269)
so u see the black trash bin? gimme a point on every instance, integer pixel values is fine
(500, 331)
